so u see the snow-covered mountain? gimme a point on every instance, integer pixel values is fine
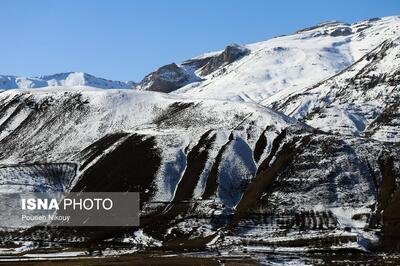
(272, 71)
(205, 168)
(275, 68)
(69, 79)
(285, 145)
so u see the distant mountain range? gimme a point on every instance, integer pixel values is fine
(68, 79)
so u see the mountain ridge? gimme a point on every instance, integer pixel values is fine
(71, 79)
(341, 43)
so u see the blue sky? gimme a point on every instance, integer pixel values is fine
(125, 40)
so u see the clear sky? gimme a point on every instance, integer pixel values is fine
(124, 40)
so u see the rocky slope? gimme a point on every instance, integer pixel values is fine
(216, 173)
(362, 100)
